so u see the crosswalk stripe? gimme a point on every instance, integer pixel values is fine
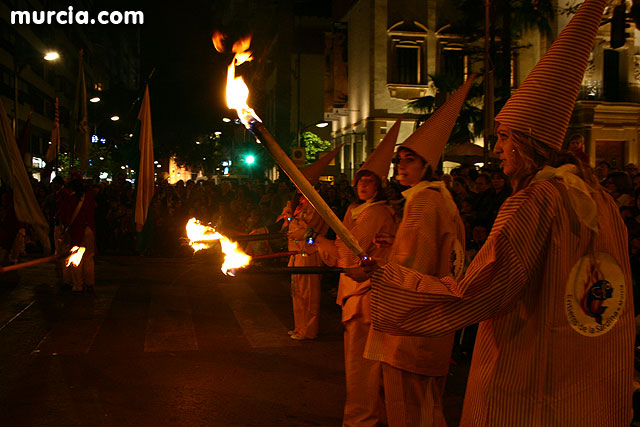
(261, 327)
(71, 335)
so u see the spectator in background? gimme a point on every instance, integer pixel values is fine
(602, 170)
(631, 169)
(618, 184)
(501, 188)
(576, 146)
(636, 182)
(461, 191)
(483, 199)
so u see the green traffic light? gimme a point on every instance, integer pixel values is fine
(250, 159)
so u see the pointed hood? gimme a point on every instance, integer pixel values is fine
(543, 104)
(429, 139)
(379, 161)
(315, 169)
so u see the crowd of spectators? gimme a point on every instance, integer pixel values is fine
(238, 207)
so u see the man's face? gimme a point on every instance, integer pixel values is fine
(482, 184)
(576, 144)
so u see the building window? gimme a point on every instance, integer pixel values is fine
(408, 63)
(406, 59)
(454, 63)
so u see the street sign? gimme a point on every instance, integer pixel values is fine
(299, 157)
(341, 111)
(329, 117)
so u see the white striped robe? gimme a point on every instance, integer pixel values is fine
(530, 367)
(305, 288)
(364, 401)
(375, 218)
(424, 242)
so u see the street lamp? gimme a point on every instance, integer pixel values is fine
(321, 124)
(115, 118)
(51, 55)
(95, 99)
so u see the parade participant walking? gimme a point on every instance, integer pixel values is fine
(551, 285)
(300, 218)
(77, 213)
(369, 216)
(430, 239)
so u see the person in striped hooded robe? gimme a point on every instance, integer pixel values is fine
(370, 216)
(430, 239)
(300, 217)
(551, 286)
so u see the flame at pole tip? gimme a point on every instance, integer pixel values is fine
(76, 256)
(237, 90)
(218, 40)
(199, 234)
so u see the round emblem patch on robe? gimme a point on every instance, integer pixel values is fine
(594, 295)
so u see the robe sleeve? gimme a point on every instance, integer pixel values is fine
(406, 302)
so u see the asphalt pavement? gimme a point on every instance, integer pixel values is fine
(168, 342)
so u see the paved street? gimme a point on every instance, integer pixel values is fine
(164, 342)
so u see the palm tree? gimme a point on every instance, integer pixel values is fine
(509, 19)
(469, 124)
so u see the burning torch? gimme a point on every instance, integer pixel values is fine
(237, 95)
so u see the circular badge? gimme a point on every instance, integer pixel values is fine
(456, 260)
(594, 295)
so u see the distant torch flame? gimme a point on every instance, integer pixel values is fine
(199, 234)
(76, 256)
(237, 90)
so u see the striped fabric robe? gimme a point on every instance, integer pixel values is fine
(305, 288)
(375, 218)
(364, 401)
(424, 242)
(531, 366)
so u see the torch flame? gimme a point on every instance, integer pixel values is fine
(76, 256)
(218, 40)
(233, 256)
(237, 90)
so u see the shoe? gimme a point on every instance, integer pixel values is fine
(291, 332)
(297, 337)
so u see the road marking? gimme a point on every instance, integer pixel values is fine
(76, 332)
(261, 327)
(170, 324)
(17, 315)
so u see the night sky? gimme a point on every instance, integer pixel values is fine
(187, 87)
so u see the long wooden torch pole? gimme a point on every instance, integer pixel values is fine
(6, 268)
(262, 134)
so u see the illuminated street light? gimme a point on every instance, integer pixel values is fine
(322, 124)
(226, 119)
(51, 55)
(115, 118)
(95, 99)
(218, 133)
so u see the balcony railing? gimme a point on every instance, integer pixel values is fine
(597, 90)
